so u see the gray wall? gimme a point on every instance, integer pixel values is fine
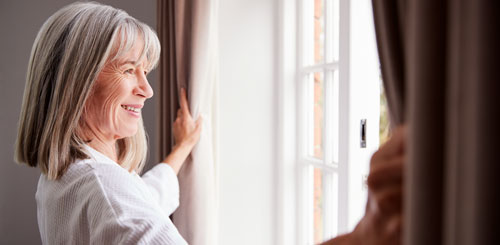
(20, 21)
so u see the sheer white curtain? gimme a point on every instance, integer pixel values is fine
(188, 33)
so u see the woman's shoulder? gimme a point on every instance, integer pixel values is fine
(86, 176)
(106, 177)
(97, 167)
(95, 179)
(97, 184)
(105, 193)
(121, 192)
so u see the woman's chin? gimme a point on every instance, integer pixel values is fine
(127, 133)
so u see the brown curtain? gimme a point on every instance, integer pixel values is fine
(167, 87)
(439, 62)
(188, 35)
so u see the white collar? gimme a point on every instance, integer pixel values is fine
(97, 156)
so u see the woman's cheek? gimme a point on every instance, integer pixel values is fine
(110, 96)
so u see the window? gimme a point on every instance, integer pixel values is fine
(318, 83)
(329, 86)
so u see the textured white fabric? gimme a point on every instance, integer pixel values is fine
(98, 202)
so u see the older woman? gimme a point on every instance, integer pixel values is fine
(81, 124)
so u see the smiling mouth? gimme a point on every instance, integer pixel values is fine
(130, 108)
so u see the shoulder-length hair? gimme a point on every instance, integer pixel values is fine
(70, 50)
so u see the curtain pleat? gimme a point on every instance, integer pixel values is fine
(167, 86)
(426, 80)
(188, 35)
(438, 63)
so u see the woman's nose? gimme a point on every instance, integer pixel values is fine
(144, 89)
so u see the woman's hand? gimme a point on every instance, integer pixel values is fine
(186, 130)
(186, 134)
(382, 222)
(383, 218)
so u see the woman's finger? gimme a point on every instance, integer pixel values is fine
(183, 102)
(389, 173)
(199, 122)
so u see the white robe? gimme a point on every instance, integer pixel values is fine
(98, 202)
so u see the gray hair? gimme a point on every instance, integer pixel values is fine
(70, 50)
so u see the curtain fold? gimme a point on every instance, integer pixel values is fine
(188, 35)
(167, 85)
(438, 63)
(389, 26)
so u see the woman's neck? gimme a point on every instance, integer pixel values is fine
(101, 142)
(108, 148)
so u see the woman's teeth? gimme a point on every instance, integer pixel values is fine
(129, 108)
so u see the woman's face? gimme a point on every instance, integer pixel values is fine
(114, 107)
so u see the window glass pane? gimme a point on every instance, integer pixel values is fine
(319, 30)
(318, 203)
(332, 33)
(314, 32)
(325, 205)
(384, 116)
(316, 114)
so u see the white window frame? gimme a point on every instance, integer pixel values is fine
(292, 195)
(291, 192)
(306, 163)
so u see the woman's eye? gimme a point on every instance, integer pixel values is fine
(129, 71)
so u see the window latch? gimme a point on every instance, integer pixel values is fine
(363, 133)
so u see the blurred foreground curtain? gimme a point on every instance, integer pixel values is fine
(439, 63)
(188, 34)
